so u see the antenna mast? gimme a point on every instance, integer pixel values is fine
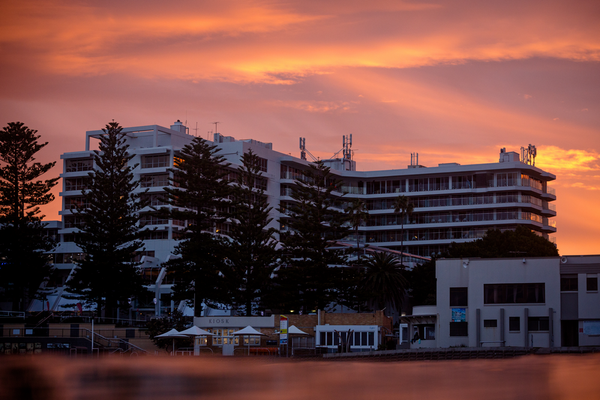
(303, 150)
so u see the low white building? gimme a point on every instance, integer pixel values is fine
(498, 302)
(518, 302)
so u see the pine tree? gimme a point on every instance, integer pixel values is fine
(23, 264)
(316, 220)
(198, 196)
(109, 234)
(252, 256)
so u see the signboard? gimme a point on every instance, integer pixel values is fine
(227, 321)
(459, 315)
(591, 327)
(283, 329)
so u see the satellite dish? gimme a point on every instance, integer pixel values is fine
(563, 260)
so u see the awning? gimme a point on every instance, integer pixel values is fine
(248, 331)
(195, 331)
(419, 319)
(292, 330)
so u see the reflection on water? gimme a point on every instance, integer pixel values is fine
(530, 377)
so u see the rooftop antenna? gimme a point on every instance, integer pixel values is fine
(528, 154)
(347, 143)
(216, 126)
(346, 148)
(303, 150)
(414, 159)
(196, 129)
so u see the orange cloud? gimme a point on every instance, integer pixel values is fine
(254, 41)
(571, 160)
(317, 106)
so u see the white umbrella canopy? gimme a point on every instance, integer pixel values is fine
(195, 331)
(292, 330)
(248, 331)
(173, 334)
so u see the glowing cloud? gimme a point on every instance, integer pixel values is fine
(253, 41)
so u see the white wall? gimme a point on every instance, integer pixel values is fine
(473, 274)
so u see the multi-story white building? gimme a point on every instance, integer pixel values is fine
(453, 203)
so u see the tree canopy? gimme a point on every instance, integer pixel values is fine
(23, 264)
(384, 283)
(404, 207)
(316, 220)
(109, 233)
(251, 255)
(497, 244)
(198, 196)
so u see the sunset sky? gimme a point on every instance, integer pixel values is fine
(452, 80)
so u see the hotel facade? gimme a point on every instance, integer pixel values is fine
(452, 202)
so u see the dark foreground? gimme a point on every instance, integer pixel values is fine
(528, 377)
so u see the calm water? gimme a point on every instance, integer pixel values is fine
(530, 377)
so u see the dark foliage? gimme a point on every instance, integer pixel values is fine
(251, 255)
(23, 264)
(158, 326)
(496, 244)
(404, 207)
(357, 214)
(198, 196)
(422, 283)
(109, 234)
(384, 283)
(308, 282)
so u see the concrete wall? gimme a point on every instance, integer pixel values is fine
(473, 274)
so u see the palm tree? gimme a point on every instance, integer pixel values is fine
(384, 281)
(357, 213)
(403, 207)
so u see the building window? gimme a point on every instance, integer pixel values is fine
(153, 219)
(262, 164)
(152, 234)
(67, 258)
(490, 323)
(568, 283)
(157, 161)
(139, 254)
(514, 293)
(224, 336)
(73, 221)
(77, 202)
(459, 329)
(79, 165)
(514, 324)
(156, 199)
(592, 283)
(75, 184)
(251, 340)
(458, 297)
(154, 180)
(538, 324)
